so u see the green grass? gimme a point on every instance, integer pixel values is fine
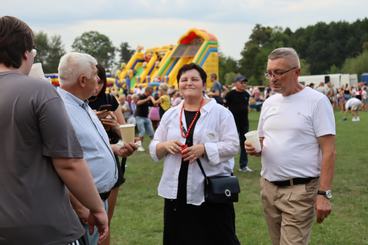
(138, 215)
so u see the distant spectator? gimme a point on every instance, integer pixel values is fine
(176, 99)
(216, 90)
(237, 101)
(144, 124)
(353, 105)
(163, 101)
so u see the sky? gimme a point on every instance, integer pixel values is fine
(154, 23)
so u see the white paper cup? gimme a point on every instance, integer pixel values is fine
(127, 132)
(37, 71)
(252, 138)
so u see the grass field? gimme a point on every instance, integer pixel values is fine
(138, 215)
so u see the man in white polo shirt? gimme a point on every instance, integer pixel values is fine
(297, 133)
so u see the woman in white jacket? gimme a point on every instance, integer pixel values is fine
(197, 128)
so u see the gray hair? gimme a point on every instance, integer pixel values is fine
(285, 53)
(74, 64)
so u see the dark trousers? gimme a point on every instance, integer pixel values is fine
(243, 159)
(212, 224)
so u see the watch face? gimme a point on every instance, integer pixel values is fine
(328, 194)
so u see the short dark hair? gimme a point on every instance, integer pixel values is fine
(192, 66)
(16, 37)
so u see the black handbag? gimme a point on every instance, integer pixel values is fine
(220, 189)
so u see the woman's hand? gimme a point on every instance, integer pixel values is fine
(101, 114)
(109, 121)
(193, 153)
(172, 147)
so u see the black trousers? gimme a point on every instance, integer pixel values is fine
(212, 224)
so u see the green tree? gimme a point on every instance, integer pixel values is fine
(227, 65)
(42, 45)
(334, 69)
(305, 67)
(125, 52)
(56, 50)
(96, 44)
(254, 55)
(323, 45)
(357, 64)
(49, 51)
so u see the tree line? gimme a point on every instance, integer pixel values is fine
(335, 47)
(50, 49)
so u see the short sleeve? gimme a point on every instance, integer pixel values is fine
(58, 136)
(323, 118)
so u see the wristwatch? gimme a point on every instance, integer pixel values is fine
(327, 194)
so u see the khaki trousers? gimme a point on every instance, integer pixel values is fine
(289, 211)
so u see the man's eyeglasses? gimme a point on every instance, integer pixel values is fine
(277, 74)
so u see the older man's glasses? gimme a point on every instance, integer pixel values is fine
(277, 73)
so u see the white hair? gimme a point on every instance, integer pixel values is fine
(285, 53)
(74, 64)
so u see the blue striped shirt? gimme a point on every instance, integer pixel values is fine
(93, 139)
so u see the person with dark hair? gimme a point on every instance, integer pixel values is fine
(144, 124)
(198, 128)
(41, 157)
(237, 100)
(111, 118)
(216, 89)
(297, 136)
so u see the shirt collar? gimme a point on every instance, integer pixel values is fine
(73, 98)
(205, 109)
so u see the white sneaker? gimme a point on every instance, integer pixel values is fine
(357, 119)
(140, 148)
(246, 169)
(354, 119)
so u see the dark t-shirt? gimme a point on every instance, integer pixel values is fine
(143, 109)
(238, 103)
(104, 99)
(34, 128)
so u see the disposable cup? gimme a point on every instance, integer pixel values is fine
(37, 71)
(127, 132)
(252, 138)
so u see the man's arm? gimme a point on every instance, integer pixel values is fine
(327, 145)
(78, 179)
(142, 101)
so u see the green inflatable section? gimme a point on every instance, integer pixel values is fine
(138, 73)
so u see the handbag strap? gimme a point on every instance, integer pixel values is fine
(202, 170)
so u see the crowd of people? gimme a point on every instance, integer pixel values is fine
(345, 98)
(64, 161)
